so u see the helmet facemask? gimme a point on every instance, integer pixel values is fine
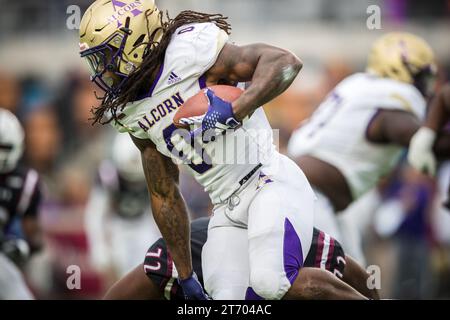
(105, 62)
(115, 37)
(423, 79)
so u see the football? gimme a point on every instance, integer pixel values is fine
(197, 105)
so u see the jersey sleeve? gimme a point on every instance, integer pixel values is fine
(208, 45)
(406, 98)
(194, 49)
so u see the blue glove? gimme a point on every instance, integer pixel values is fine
(219, 116)
(192, 288)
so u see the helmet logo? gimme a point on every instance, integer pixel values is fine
(123, 9)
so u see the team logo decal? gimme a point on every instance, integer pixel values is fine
(263, 180)
(122, 8)
(173, 78)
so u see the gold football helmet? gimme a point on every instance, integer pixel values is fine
(404, 57)
(114, 37)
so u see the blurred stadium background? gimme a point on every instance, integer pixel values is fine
(43, 81)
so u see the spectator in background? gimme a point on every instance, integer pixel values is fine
(118, 218)
(84, 146)
(9, 92)
(196, 198)
(35, 95)
(43, 140)
(404, 218)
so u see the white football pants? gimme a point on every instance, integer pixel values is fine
(259, 240)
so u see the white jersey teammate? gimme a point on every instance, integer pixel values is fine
(358, 134)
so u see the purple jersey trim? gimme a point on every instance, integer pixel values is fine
(161, 68)
(372, 119)
(292, 251)
(202, 82)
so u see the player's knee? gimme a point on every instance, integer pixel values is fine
(268, 284)
(228, 294)
(225, 291)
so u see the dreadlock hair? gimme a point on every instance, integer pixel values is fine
(140, 80)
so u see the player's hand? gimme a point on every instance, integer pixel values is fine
(192, 288)
(219, 117)
(420, 153)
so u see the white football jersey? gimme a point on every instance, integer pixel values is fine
(336, 132)
(193, 50)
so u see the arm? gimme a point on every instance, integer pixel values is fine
(399, 127)
(437, 118)
(319, 284)
(439, 113)
(168, 206)
(134, 286)
(430, 140)
(393, 126)
(271, 71)
(356, 277)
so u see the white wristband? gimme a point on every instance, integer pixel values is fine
(425, 137)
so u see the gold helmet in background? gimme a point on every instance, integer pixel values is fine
(114, 37)
(404, 57)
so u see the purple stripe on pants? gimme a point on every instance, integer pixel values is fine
(292, 257)
(251, 295)
(292, 252)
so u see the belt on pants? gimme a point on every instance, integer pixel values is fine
(249, 175)
(234, 199)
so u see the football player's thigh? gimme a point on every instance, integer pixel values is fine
(280, 229)
(225, 263)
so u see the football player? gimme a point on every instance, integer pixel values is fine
(359, 132)
(19, 201)
(118, 220)
(148, 66)
(156, 278)
(422, 155)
